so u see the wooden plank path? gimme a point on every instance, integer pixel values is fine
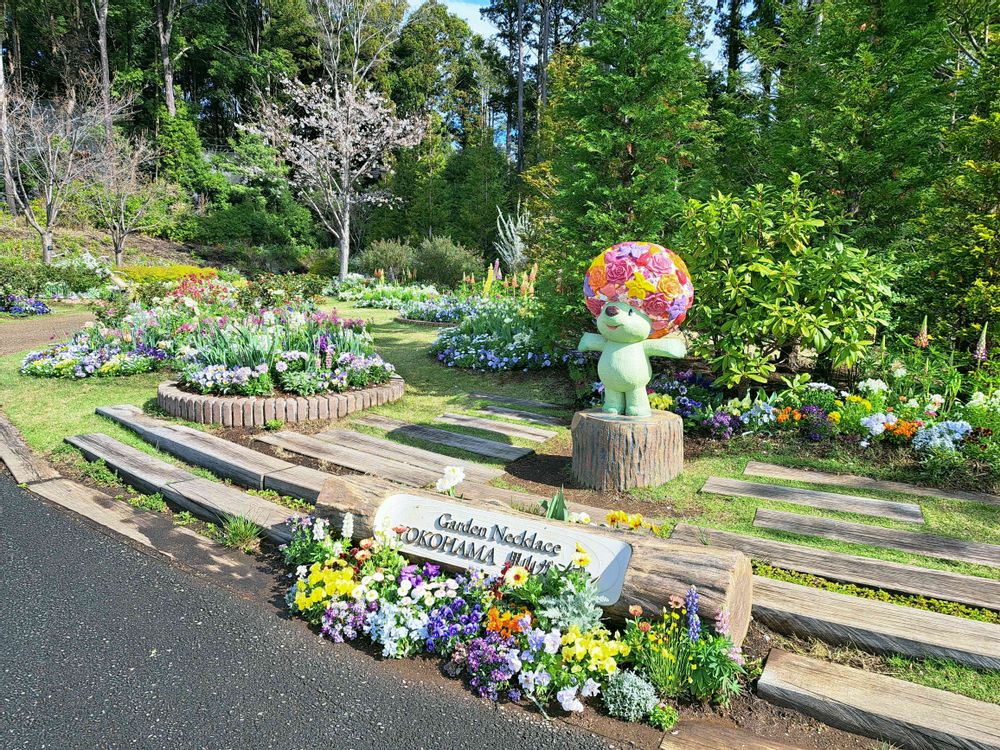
(815, 499)
(524, 432)
(712, 734)
(874, 626)
(480, 446)
(409, 454)
(756, 468)
(347, 457)
(942, 547)
(866, 571)
(203, 497)
(884, 708)
(157, 532)
(530, 403)
(18, 458)
(525, 416)
(222, 457)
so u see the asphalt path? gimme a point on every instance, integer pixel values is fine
(104, 646)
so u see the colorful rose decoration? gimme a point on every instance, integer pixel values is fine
(647, 276)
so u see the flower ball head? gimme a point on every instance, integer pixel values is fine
(646, 276)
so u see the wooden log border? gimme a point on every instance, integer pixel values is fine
(241, 411)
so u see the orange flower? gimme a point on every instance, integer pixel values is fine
(505, 623)
(669, 285)
(598, 277)
(635, 610)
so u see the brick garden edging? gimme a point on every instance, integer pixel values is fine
(243, 411)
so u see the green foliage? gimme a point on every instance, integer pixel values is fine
(664, 717)
(240, 533)
(864, 592)
(556, 507)
(184, 518)
(272, 425)
(98, 472)
(182, 159)
(954, 258)
(443, 262)
(628, 123)
(395, 257)
(31, 278)
(773, 273)
(628, 696)
(154, 502)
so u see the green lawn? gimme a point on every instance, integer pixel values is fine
(48, 410)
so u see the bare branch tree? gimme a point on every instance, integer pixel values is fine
(337, 147)
(124, 193)
(52, 146)
(100, 8)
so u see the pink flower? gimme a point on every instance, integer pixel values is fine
(619, 271)
(656, 305)
(660, 263)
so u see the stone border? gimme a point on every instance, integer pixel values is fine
(242, 411)
(433, 323)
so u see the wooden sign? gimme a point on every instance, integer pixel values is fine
(462, 536)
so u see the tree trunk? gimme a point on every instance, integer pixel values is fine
(164, 26)
(612, 453)
(520, 85)
(101, 11)
(543, 58)
(119, 243)
(657, 569)
(48, 246)
(5, 146)
(345, 239)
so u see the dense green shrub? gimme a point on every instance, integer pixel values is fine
(395, 257)
(271, 290)
(31, 277)
(773, 274)
(440, 261)
(252, 221)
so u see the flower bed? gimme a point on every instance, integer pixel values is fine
(234, 411)
(514, 636)
(22, 307)
(502, 335)
(201, 327)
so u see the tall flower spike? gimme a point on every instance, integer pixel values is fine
(923, 340)
(693, 621)
(982, 352)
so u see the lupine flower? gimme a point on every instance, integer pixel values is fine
(694, 622)
(923, 340)
(981, 353)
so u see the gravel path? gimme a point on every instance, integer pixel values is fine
(106, 647)
(23, 334)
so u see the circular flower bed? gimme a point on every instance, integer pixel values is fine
(236, 411)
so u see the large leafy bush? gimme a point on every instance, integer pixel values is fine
(443, 262)
(773, 275)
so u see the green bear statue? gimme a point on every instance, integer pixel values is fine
(639, 292)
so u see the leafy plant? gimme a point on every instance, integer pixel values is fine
(628, 696)
(240, 533)
(154, 502)
(556, 507)
(775, 275)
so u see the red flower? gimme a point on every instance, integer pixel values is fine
(635, 610)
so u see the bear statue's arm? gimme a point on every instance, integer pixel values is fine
(591, 342)
(669, 346)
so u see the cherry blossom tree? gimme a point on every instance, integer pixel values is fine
(337, 141)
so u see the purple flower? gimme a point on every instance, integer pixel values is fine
(693, 621)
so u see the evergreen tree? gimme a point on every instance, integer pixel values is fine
(629, 116)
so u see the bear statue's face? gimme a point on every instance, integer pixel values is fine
(623, 324)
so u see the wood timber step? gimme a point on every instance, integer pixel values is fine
(203, 497)
(884, 708)
(480, 446)
(496, 398)
(942, 547)
(756, 468)
(865, 571)
(524, 416)
(347, 457)
(156, 532)
(17, 456)
(408, 454)
(712, 734)
(141, 470)
(523, 432)
(815, 499)
(878, 627)
(222, 457)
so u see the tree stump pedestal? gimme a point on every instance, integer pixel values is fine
(613, 453)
